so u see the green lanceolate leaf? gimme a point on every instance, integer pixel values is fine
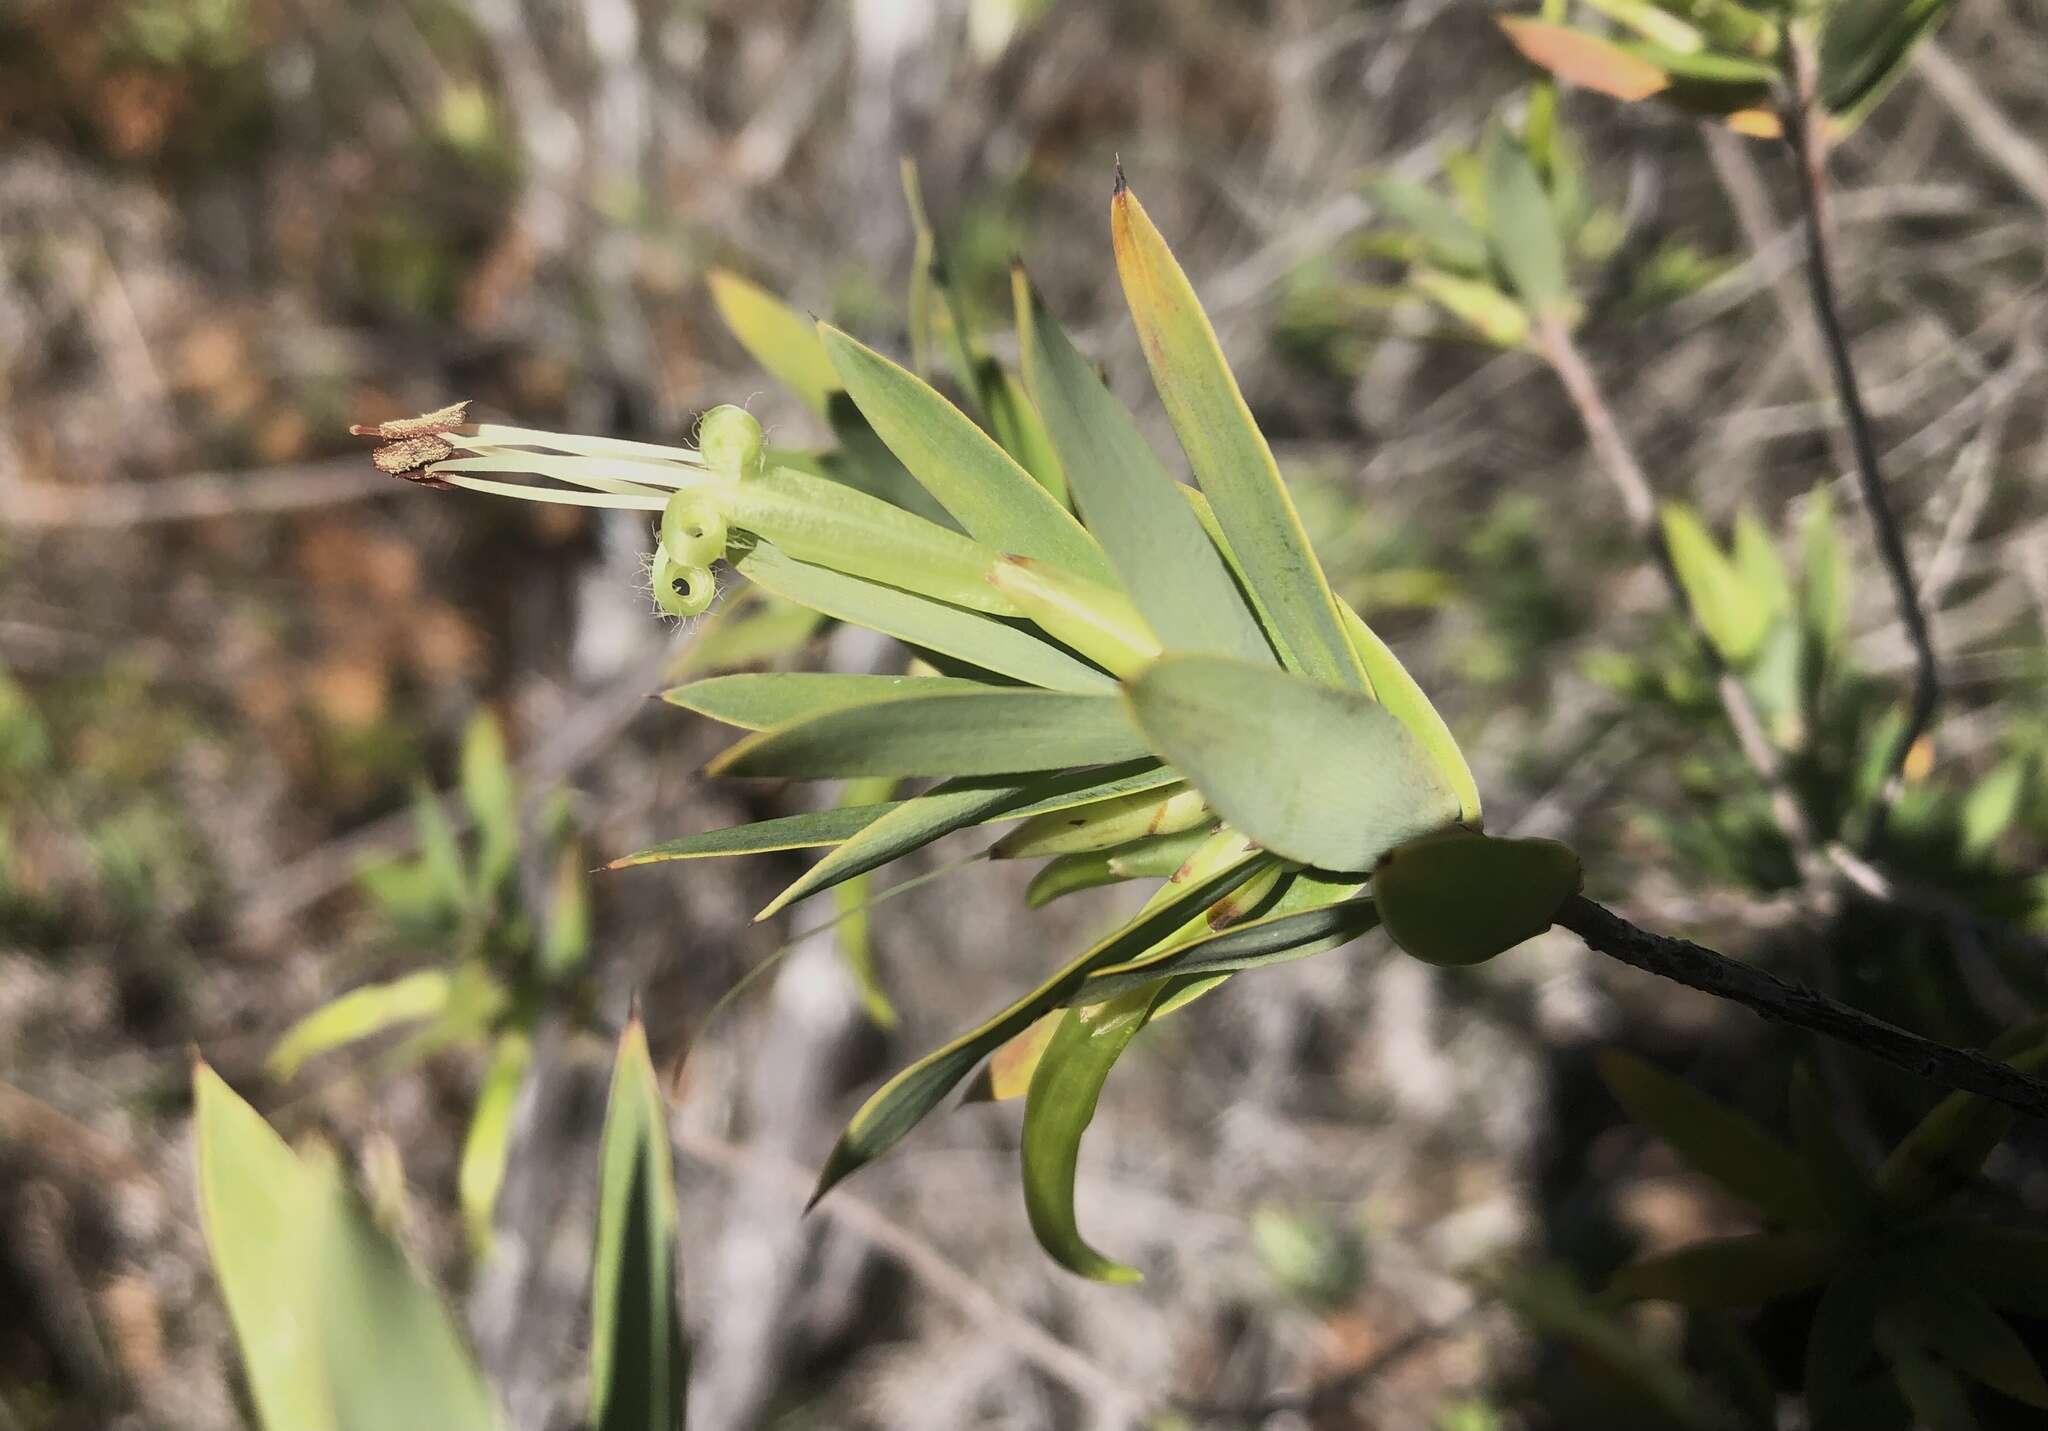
(1096, 620)
(1450, 239)
(492, 795)
(488, 1141)
(956, 804)
(989, 731)
(776, 336)
(1478, 303)
(1165, 559)
(636, 1360)
(758, 701)
(830, 524)
(1866, 42)
(1405, 701)
(254, 1204)
(1730, 1271)
(1824, 589)
(1522, 227)
(358, 1014)
(1316, 774)
(997, 501)
(1760, 566)
(901, 1103)
(947, 630)
(1715, 1140)
(1224, 445)
(1105, 824)
(1840, 1181)
(1656, 25)
(1967, 1335)
(1276, 938)
(1017, 426)
(393, 1354)
(1057, 1111)
(807, 831)
(1460, 897)
(1732, 612)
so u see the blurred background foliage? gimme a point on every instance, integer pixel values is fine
(238, 669)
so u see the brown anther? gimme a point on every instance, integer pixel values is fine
(405, 459)
(428, 424)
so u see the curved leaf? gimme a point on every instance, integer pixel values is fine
(1277, 938)
(1864, 43)
(1105, 824)
(948, 630)
(989, 731)
(1096, 620)
(1967, 1335)
(997, 501)
(1945, 1149)
(1405, 700)
(358, 1014)
(901, 1103)
(1320, 775)
(1156, 857)
(1224, 445)
(1585, 60)
(787, 832)
(1461, 897)
(1057, 1111)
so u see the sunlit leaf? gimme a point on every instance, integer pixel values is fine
(1016, 424)
(777, 337)
(358, 1014)
(1759, 565)
(492, 795)
(1155, 857)
(807, 831)
(989, 731)
(1320, 775)
(964, 635)
(1096, 620)
(1224, 445)
(1057, 1111)
(750, 629)
(1167, 563)
(1658, 26)
(394, 1355)
(255, 1207)
(997, 501)
(1993, 804)
(1729, 609)
(901, 1103)
(1715, 1140)
(1281, 937)
(1406, 702)
(1105, 824)
(485, 1146)
(1007, 1074)
(1730, 1271)
(636, 1360)
(756, 702)
(1583, 59)
(1946, 1149)
(830, 524)
(1488, 311)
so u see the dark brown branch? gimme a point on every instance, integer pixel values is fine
(1809, 149)
(1684, 962)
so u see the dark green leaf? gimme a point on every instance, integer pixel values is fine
(1057, 1111)
(1730, 1271)
(788, 832)
(1715, 1140)
(758, 701)
(1865, 43)
(1277, 938)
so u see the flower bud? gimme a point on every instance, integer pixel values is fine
(730, 440)
(693, 530)
(680, 588)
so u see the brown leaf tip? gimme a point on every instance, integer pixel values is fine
(1120, 185)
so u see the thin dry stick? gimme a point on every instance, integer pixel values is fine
(26, 506)
(1618, 462)
(1684, 962)
(1809, 148)
(1064, 1364)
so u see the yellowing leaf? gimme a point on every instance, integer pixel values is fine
(1583, 59)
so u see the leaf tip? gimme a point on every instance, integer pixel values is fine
(1119, 186)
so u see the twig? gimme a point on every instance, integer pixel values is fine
(2001, 141)
(1809, 149)
(1783, 1001)
(1030, 1341)
(1618, 461)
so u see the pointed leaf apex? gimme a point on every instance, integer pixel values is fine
(1120, 186)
